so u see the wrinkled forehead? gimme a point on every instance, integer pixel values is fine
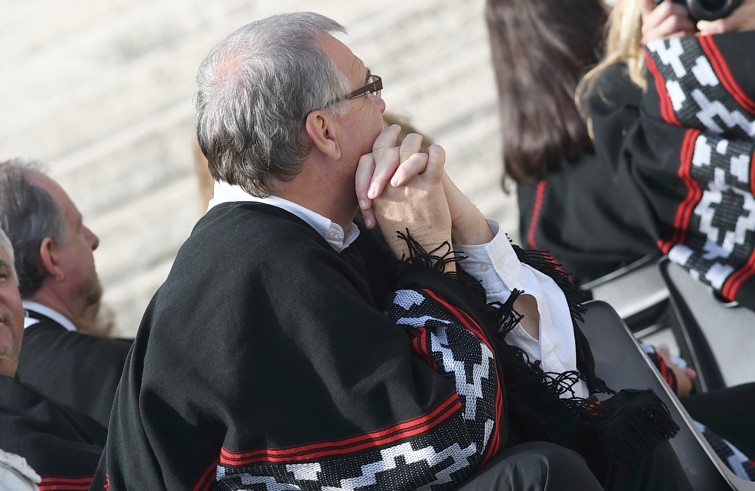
(346, 61)
(6, 261)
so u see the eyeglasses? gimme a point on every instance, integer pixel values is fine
(373, 87)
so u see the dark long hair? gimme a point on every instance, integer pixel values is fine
(540, 49)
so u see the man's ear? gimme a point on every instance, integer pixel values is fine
(321, 129)
(48, 258)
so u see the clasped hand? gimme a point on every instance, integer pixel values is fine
(399, 187)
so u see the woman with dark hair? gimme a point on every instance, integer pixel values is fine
(540, 51)
(584, 202)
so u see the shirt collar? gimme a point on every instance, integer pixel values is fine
(47, 312)
(333, 233)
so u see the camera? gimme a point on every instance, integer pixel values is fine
(708, 9)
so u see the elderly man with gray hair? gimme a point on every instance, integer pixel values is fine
(292, 348)
(62, 445)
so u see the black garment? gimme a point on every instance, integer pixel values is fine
(71, 368)
(578, 216)
(266, 354)
(62, 445)
(671, 170)
(534, 466)
(543, 466)
(265, 358)
(728, 412)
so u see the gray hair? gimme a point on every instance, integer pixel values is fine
(6, 245)
(255, 90)
(28, 214)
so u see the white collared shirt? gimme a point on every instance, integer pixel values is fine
(497, 267)
(47, 312)
(494, 264)
(330, 231)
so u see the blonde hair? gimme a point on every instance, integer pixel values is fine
(623, 44)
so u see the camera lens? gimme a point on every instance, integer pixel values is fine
(712, 5)
(711, 9)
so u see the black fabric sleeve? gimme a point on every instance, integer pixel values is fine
(686, 156)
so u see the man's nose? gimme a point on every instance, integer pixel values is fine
(93, 239)
(381, 103)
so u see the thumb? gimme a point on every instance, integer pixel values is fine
(436, 161)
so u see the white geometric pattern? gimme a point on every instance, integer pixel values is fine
(713, 110)
(720, 235)
(305, 472)
(453, 459)
(669, 52)
(460, 355)
(698, 89)
(470, 391)
(461, 458)
(704, 72)
(437, 457)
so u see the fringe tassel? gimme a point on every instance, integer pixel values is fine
(435, 260)
(632, 423)
(626, 425)
(505, 318)
(547, 264)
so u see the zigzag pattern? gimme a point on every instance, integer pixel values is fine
(698, 97)
(460, 356)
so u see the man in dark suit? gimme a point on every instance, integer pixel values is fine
(60, 289)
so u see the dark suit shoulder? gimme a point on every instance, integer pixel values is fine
(79, 370)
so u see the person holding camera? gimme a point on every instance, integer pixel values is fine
(666, 18)
(577, 201)
(671, 109)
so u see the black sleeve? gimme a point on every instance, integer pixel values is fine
(687, 157)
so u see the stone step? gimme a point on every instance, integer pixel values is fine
(102, 92)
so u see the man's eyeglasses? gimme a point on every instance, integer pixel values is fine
(373, 87)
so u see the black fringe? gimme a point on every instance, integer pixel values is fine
(435, 260)
(632, 423)
(542, 406)
(547, 264)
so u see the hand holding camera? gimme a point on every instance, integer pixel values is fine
(683, 18)
(707, 9)
(741, 19)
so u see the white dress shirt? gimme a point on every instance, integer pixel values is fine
(332, 232)
(47, 312)
(497, 267)
(494, 264)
